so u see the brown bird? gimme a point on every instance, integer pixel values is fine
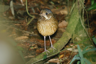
(47, 25)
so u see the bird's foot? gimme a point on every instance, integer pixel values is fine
(53, 48)
(47, 52)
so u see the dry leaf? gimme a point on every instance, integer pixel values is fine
(21, 38)
(40, 43)
(33, 47)
(62, 24)
(61, 56)
(24, 24)
(40, 50)
(17, 24)
(54, 61)
(23, 45)
(11, 17)
(62, 11)
(33, 39)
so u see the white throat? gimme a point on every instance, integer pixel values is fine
(47, 18)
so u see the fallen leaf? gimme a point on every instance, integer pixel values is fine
(33, 39)
(23, 45)
(40, 50)
(61, 56)
(21, 38)
(40, 43)
(53, 61)
(62, 24)
(34, 46)
(17, 24)
(11, 17)
(24, 24)
(62, 10)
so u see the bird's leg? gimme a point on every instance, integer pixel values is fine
(51, 43)
(45, 45)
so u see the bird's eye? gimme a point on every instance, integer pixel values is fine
(46, 13)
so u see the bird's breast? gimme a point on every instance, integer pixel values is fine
(47, 28)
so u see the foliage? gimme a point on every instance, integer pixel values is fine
(80, 56)
(92, 2)
(93, 5)
(94, 40)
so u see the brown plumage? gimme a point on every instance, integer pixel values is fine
(47, 25)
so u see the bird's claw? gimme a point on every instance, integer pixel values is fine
(53, 48)
(47, 52)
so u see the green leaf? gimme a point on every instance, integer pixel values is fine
(75, 58)
(93, 49)
(78, 62)
(92, 2)
(31, 47)
(82, 61)
(87, 61)
(93, 59)
(20, 48)
(21, 54)
(87, 47)
(80, 53)
(52, 2)
(44, 57)
(92, 7)
(94, 40)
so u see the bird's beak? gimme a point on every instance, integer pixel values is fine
(44, 15)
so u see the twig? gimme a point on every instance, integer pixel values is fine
(29, 14)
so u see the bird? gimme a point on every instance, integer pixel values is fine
(47, 25)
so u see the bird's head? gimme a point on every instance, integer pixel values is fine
(46, 13)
